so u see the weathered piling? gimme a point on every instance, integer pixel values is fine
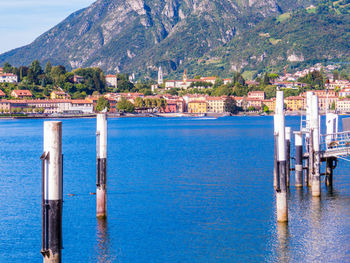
(288, 132)
(275, 155)
(101, 152)
(298, 159)
(281, 189)
(314, 123)
(308, 139)
(52, 187)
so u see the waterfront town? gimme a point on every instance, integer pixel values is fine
(190, 96)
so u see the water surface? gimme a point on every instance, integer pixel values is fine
(179, 190)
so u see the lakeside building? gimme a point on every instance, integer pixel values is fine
(338, 84)
(5, 106)
(256, 95)
(185, 83)
(294, 103)
(84, 106)
(239, 101)
(326, 102)
(344, 93)
(111, 80)
(197, 106)
(270, 104)
(49, 106)
(219, 104)
(8, 78)
(59, 94)
(343, 105)
(252, 102)
(21, 94)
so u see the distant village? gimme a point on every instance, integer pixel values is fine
(335, 96)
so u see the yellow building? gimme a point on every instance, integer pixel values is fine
(219, 104)
(294, 103)
(271, 104)
(58, 94)
(197, 106)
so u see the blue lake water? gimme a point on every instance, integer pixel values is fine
(179, 190)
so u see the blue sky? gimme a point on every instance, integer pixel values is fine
(21, 21)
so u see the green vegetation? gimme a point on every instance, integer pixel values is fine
(42, 82)
(320, 34)
(102, 103)
(283, 17)
(125, 105)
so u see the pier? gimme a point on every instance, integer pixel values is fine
(312, 148)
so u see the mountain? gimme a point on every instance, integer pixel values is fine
(301, 38)
(140, 35)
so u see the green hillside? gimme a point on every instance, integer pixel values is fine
(308, 36)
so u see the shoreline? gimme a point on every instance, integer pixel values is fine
(158, 115)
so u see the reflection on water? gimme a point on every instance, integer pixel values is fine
(283, 250)
(316, 229)
(103, 248)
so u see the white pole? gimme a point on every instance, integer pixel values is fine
(308, 109)
(298, 159)
(288, 132)
(101, 141)
(314, 121)
(52, 192)
(281, 190)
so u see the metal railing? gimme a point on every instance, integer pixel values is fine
(335, 141)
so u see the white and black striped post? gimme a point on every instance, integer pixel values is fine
(101, 182)
(298, 159)
(309, 161)
(52, 188)
(275, 155)
(314, 123)
(288, 132)
(281, 189)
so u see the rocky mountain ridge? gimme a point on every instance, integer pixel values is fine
(140, 35)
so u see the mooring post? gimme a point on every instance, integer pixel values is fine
(308, 140)
(288, 132)
(329, 172)
(281, 189)
(101, 182)
(298, 159)
(52, 188)
(316, 180)
(311, 157)
(307, 161)
(275, 172)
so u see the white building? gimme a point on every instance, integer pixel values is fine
(111, 80)
(343, 105)
(84, 106)
(8, 78)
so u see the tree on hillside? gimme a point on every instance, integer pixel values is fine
(222, 90)
(125, 105)
(238, 78)
(102, 103)
(7, 68)
(36, 71)
(270, 92)
(139, 102)
(48, 67)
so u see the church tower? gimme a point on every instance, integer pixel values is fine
(160, 76)
(184, 78)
